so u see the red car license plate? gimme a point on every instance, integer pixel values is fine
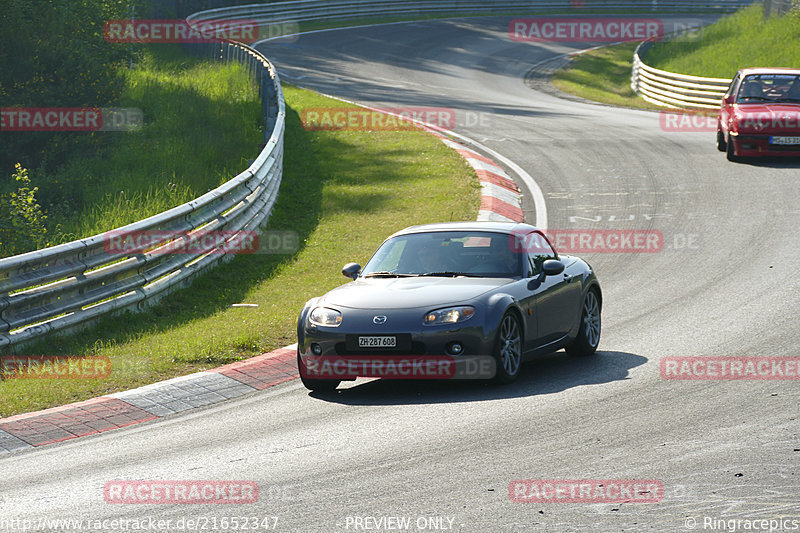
(784, 140)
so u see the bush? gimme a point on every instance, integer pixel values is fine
(22, 227)
(54, 54)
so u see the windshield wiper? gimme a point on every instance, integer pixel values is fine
(759, 98)
(387, 274)
(447, 274)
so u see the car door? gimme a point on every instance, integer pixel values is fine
(556, 298)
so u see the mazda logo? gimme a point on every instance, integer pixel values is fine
(380, 319)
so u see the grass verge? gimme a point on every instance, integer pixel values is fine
(343, 192)
(602, 75)
(743, 39)
(201, 125)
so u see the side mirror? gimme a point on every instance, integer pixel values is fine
(351, 270)
(728, 100)
(552, 267)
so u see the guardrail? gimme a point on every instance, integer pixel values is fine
(780, 7)
(677, 91)
(71, 284)
(306, 10)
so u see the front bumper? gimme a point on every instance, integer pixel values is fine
(344, 368)
(467, 346)
(758, 145)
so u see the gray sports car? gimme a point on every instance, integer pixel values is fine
(443, 300)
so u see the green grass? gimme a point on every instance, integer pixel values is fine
(742, 39)
(202, 124)
(602, 75)
(343, 192)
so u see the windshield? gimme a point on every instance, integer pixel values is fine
(769, 88)
(452, 253)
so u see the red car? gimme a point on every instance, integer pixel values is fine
(760, 114)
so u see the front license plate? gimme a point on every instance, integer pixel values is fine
(377, 342)
(784, 140)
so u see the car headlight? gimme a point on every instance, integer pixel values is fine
(325, 316)
(449, 315)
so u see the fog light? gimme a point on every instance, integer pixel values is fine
(455, 348)
(316, 349)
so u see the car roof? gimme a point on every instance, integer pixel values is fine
(498, 227)
(769, 70)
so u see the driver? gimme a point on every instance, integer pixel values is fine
(751, 89)
(503, 257)
(433, 258)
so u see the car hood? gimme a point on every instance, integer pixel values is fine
(406, 293)
(767, 109)
(770, 117)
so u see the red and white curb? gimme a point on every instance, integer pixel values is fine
(146, 403)
(500, 201)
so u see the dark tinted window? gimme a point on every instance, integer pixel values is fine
(770, 88)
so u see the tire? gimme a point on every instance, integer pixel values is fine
(316, 385)
(721, 144)
(589, 333)
(729, 153)
(508, 349)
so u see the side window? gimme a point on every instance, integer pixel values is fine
(539, 251)
(732, 86)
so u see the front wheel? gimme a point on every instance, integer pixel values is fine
(721, 144)
(589, 333)
(508, 351)
(317, 385)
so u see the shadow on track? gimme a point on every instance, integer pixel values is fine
(772, 162)
(547, 374)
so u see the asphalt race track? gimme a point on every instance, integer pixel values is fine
(725, 283)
